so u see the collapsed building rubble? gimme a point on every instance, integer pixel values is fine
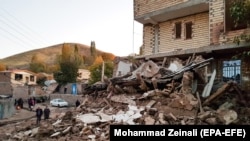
(151, 94)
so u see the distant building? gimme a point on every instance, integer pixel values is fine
(11, 79)
(18, 77)
(122, 66)
(84, 75)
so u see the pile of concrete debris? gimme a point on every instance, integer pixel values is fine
(150, 95)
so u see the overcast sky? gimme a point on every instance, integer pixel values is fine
(31, 24)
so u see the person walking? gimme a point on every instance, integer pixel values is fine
(39, 113)
(46, 113)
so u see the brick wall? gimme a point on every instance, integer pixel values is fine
(245, 79)
(199, 33)
(145, 6)
(148, 39)
(216, 20)
(166, 40)
(229, 36)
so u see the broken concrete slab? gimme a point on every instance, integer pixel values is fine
(149, 120)
(123, 99)
(150, 104)
(89, 118)
(227, 116)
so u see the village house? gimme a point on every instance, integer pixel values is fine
(11, 79)
(181, 28)
(81, 82)
(14, 84)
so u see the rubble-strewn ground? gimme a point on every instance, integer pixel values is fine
(91, 120)
(150, 95)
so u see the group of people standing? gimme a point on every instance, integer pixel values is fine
(46, 112)
(40, 112)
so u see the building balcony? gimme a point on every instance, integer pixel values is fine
(151, 13)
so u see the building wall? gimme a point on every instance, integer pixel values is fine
(21, 92)
(123, 68)
(23, 80)
(148, 39)
(200, 33)
(245, 79)
(67, 89)
(145, 6)
(7, 108)
(5, 88)
(5, 77)
(84, 74)
(216, 20)
(208, 28)
(166, 35)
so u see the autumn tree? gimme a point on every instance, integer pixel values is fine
(107, 56)
(52, 68)
(77, 57)
(2, 67)
(37, 64)
(98, 60)
(69, 65)
(96, 70)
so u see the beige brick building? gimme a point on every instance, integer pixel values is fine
(180, 28)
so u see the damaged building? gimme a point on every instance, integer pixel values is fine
(171, 29)
(187, 74)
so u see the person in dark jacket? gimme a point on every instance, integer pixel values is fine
(39, 113)
(77, 103)
(46, 113)
(20, 103)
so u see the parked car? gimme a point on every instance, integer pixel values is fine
(59, 102)
(40, 99)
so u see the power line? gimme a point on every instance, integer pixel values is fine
(29, 39)
(19, 27)
(13, 41)
(25, 27)
(12, 34)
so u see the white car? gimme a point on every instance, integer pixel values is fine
(59, 102)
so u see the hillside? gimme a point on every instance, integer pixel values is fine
(49, 54)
